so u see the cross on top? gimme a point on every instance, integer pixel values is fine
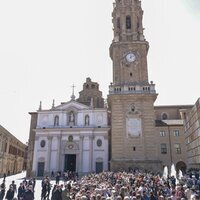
(73, 96)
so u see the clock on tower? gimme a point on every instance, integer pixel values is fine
(131, 97)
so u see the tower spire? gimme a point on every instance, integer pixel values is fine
(53, 104)
(73, 96)
(40, 106)
(127, 20)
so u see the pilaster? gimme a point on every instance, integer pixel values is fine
(91, 139)
(81, 154)
(59, 138)
(49, 154)
(35, 157)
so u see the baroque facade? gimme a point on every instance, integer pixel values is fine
(72, 136)
(12, 153)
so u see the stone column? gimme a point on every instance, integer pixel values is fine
(81, 154)
(59, 138)
(91, 152)
(48, 165)
(105, 167)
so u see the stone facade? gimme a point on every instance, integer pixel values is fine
(12, 153)
(191, 119)
(131, 97)
(71, 137)
(91, 95)
(31, 142)
(170, 136)
(134, 133)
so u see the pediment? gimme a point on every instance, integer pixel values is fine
(71, 105)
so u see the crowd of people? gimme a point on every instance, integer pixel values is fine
(133, 185)
(25, 190)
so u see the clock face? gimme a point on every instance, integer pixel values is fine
(130, 57)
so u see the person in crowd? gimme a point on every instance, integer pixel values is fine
(52, 174)
(21, 191)
(66, 193)
(28, 194)
(57, 193)
(14, 186)
(120, 185)
(10, 193)
(58, 178)
(46, 188)
(34, 182)
(4, 176)
(2, 189)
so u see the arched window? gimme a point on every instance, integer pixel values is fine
(56, 120)
(87, 120)
(128, 22)
(164, 116)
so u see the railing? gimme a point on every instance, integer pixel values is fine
(132, 89)
(74, 126)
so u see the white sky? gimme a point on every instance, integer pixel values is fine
(46, 46)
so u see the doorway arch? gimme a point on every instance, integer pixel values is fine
(181, 166)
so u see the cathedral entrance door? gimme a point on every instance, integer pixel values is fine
(99, 167)
(40, 171)
(70, 162)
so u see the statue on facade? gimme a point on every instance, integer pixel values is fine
(71, 117)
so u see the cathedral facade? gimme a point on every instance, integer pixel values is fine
(72, 136)
(84, 135)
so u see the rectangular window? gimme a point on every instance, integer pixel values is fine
(163, 148)
(162, 133)
(176, 133)
(177, 148)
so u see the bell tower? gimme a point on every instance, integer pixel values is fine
(131, 97)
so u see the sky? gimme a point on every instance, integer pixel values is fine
(47, 46)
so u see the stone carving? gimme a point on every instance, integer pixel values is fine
(99, 119)
(133, 126)
(87, 120)
(71, 117)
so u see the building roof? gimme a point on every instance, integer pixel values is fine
(172, 122)
(174, 106)
(7, 133)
